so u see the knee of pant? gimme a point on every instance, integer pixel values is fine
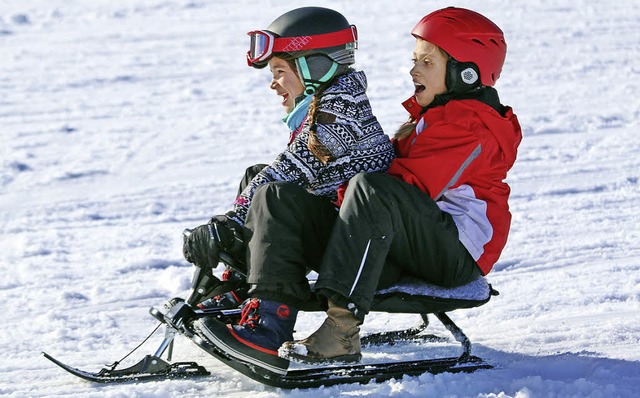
(370, 180)
(252, 171)
(281, 191)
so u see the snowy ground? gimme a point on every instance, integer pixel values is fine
(125, 121)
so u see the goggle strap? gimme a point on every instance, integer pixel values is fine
(323, 40)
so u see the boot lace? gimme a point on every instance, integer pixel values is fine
(249, 316)
(227, 274)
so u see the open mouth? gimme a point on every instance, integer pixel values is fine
(418, 88)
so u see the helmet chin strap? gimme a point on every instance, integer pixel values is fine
(311, 85)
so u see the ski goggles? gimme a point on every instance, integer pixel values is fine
(264, 43)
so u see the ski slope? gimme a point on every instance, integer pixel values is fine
(122, 122)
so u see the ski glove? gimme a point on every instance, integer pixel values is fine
(203, 244)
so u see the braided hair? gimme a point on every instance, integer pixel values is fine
(315, 146)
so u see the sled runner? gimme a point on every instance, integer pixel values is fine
(408, 296)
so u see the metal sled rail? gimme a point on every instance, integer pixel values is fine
(150, 367)
(153, 367)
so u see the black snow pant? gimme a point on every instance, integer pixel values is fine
(286, 230)
(384, 230)
(249, 174)
(388, 229)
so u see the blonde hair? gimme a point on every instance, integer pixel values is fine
(405, 129)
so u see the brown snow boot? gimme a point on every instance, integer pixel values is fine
(337, 340)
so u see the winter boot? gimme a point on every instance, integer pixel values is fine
(337, 340)
(231, 299)
(264, 326)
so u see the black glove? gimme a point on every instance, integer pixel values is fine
(202, 245)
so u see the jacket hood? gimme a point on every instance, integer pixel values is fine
(506, 129)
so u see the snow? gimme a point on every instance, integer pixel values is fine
(126, 121)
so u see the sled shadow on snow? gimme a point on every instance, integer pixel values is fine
(563, 374)
(512, 371)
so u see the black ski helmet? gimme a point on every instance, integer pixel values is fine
(316, 63)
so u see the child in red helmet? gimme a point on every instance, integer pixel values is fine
(441, 213)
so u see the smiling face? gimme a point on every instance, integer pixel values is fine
(428, 72)
(286, 82)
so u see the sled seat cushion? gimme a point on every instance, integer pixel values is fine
(415, 296)
(412, 295)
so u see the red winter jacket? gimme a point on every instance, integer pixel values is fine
(459, 154)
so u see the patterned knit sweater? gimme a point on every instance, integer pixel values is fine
(348, 129)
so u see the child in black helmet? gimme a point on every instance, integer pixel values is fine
(334, 136)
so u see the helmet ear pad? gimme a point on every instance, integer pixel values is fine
(461, 76)
(320, 69)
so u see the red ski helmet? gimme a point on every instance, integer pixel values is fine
(468, 37)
